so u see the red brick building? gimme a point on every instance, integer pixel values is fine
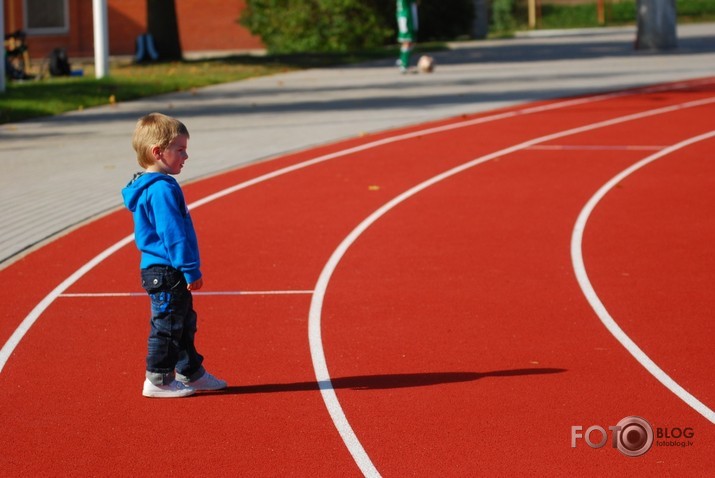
(204, 25)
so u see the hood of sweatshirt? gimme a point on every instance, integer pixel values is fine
(134, 189)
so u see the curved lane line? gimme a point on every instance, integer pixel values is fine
(12, 342)
(592, 297)
(35, 313)
(317, 352)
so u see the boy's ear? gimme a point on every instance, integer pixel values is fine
(156, 152)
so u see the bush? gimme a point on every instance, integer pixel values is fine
(290, 26)
(618, 12)
(503, 16)
(296, 26)
(571, 16)
(696, 9)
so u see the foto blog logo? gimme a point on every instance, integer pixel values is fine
(632, 436)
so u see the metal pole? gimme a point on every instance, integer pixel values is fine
(2, 35)
(101, 38)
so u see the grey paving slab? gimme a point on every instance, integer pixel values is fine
(61, 171)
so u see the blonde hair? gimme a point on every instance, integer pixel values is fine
(155, 129)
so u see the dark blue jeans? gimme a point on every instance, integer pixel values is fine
(173, 326)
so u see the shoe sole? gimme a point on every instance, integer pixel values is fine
(163, 394)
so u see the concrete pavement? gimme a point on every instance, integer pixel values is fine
(61, 171)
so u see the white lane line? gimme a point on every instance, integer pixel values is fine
(103, 294)
(595, 147)
(441, 129)
(35, 313)
(592, 297)
(207, 293)
(317, 352)
(403, 137)
(32, 317)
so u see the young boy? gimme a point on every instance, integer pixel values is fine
(170, 262)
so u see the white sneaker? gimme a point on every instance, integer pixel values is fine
(206, 382)
(175, 389)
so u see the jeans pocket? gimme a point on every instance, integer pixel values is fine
(174, 280)
(153, 280)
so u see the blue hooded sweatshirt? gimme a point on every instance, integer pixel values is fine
(163, 230)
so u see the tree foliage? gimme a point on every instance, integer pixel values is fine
(288, 26)
(503, 15)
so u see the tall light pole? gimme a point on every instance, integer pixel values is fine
(101, 38)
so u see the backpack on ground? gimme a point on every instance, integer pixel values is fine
(59, 63)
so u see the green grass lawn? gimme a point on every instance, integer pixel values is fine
(53, 95)
(617, 12)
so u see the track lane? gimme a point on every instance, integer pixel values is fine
(302, 195)
(653, 272)
(415, 453)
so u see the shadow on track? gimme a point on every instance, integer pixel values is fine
(387, 381)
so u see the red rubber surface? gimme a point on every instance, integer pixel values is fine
(457, 337)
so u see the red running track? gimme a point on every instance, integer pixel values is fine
(432, 270)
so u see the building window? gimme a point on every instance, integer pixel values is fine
(46, 16)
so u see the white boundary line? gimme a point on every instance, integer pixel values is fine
(440, 129)
(595, 302)
(225, 292)
(568, 147)
(314, 322)
(320, 365)
(35, 313)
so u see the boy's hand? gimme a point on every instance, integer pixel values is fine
(196, 285)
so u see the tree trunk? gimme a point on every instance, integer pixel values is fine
(657, 22)
(162, 24)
